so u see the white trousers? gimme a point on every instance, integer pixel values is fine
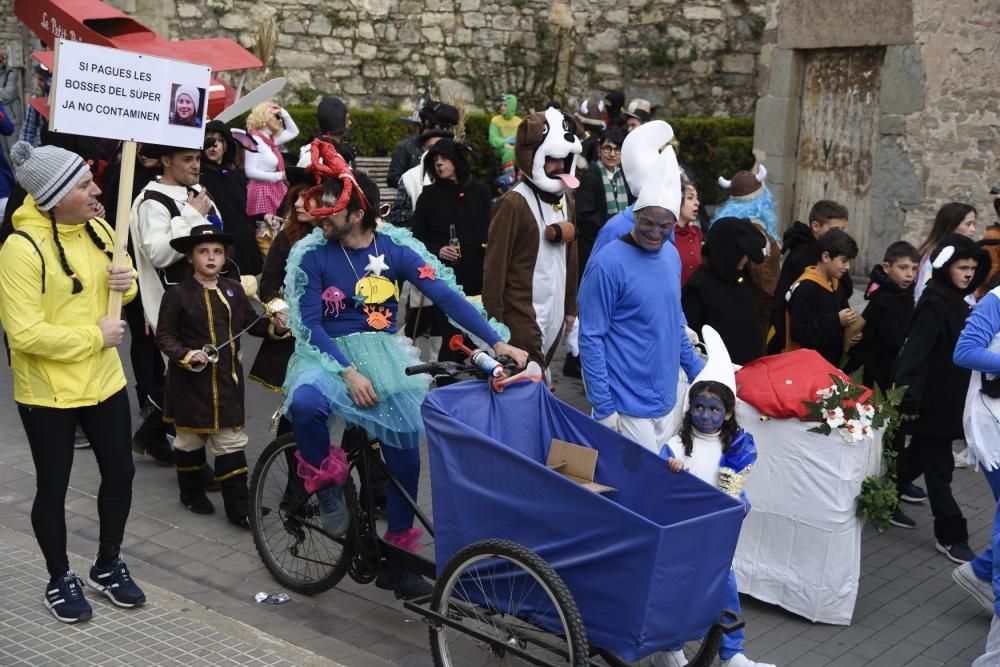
(992, 656)
(225, 441)
(650, 432)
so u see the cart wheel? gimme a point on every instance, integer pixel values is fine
(286, 525)
(521, 609)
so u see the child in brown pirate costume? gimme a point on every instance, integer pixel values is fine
(198, 330)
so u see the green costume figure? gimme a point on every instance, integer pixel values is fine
(503, 127)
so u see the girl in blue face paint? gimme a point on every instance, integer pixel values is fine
(712, 447)
(708, 431)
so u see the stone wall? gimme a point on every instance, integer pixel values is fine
(938, 130)
(695, 57)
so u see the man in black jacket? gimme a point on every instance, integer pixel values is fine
(800, 247)
(406, 154)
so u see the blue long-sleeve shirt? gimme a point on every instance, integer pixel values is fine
(632, 331)
(616, 227)
(329, 311)
(982, 326)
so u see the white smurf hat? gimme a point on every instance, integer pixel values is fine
(662, 185)
(641, 149)
(719, 366)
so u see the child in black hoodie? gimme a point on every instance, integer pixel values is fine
(718, 293)
(800, 249)
(935, 397)
(818, 311)
(887, 315)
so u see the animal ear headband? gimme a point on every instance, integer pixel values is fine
(326, 162)
(943, 256)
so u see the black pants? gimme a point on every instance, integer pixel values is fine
(147, 362)
(50, 436)
(933, 457)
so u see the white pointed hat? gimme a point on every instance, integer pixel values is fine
(640, 151)
(662, 186)
(719, 366)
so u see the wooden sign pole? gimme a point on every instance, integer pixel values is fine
(124, 205)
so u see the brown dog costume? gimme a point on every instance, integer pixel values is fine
(530, 271)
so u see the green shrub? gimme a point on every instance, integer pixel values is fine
(713, 147)
(709, 147)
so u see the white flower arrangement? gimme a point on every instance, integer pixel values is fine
(839, 408)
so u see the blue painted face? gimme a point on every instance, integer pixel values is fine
(707, 413)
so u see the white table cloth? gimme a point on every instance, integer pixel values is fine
(800, 546)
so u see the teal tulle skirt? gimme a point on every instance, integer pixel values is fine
(381, 357)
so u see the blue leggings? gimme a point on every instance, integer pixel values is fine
(310, 413)
(732, 642)
(982, 564)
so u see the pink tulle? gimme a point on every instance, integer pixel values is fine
(408, 539)
(333, 470)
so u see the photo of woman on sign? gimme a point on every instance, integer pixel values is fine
(186, 107)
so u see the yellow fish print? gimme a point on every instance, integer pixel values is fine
(376, 289)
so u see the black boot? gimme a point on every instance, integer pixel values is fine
(191, 482)
(571, 367)
(151, 438)
(231, 471)
(211, 482)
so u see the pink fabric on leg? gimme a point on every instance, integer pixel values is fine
(405, 539)
(333, 470)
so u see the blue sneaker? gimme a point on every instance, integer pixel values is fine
(117, 584)
(64, 598)
(333, 512)
(913, 494)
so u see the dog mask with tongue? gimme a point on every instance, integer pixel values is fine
(548, 134)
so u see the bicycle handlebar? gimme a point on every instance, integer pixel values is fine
(453, 368)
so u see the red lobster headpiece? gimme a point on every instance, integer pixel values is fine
(328, 163)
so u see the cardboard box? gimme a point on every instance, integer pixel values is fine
(577, 463)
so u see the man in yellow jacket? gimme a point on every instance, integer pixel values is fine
(55, 276)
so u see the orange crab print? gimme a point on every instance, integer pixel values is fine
(379, 318)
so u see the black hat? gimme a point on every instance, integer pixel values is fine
(431, 134)
(299, 176)
(454, 151)
(201, 234)
(440, 113)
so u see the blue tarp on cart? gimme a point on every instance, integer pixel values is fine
(646, 564)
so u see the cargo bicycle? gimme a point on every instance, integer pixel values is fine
(505, 592)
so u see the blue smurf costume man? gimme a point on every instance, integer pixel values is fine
(342, 289)
(712, 447)
(633, 339)
(978, 348)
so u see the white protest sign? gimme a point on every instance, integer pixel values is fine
(103, 92)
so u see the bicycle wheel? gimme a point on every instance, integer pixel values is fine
(506, 592)
(286, 525)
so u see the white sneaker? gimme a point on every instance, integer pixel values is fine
(981, 591)
(740, 660)
(668, 659)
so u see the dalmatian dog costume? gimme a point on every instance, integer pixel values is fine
(531, 258)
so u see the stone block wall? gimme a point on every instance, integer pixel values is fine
(938, 126)
(697, 57)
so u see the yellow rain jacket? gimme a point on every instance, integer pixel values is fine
(57, 351)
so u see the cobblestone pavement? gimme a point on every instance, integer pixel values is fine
(168, 631)
(908, 612)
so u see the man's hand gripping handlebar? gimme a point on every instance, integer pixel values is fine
(501, 371)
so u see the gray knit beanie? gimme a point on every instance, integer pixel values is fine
(48, 173)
